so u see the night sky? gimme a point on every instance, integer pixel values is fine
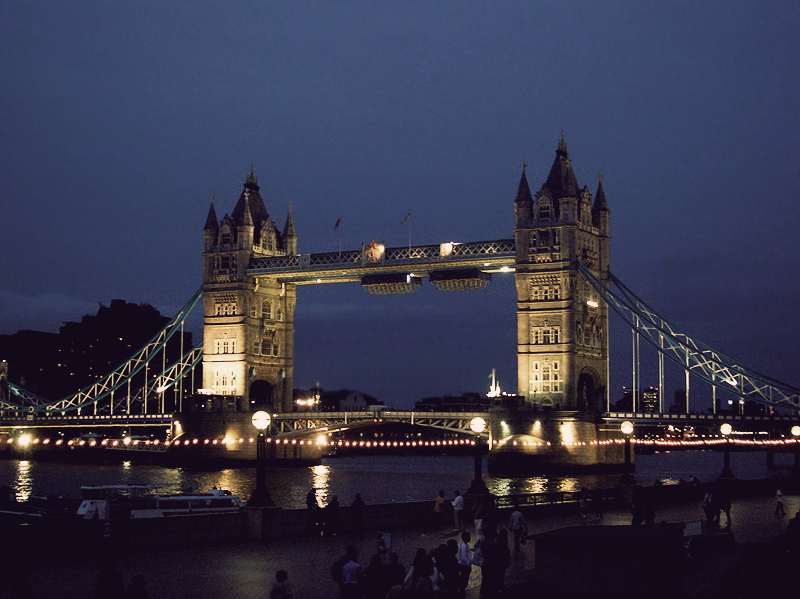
(118, 120)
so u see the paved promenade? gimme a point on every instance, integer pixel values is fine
(247, 570)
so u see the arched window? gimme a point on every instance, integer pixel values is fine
(266, 309)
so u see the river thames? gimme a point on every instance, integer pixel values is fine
(380, 479)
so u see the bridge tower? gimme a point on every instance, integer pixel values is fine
(248, 330)
(562, 325)
(562, 332)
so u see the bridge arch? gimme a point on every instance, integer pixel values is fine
(591, 391)
(262, 394)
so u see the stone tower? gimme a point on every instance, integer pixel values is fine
(248, 343)
(562, 325)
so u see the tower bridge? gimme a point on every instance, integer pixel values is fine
(560, 257)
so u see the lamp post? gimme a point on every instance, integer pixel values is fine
(260, 497)
(627, 475)
(796, 434)
(477, 425)
(726, 429)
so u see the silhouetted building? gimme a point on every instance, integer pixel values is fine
(57, 365)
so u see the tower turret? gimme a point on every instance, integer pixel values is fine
(289, 234)
(211, 229)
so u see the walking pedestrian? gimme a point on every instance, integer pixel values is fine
(518, 526)
(458, 510)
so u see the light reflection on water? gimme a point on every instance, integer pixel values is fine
(23, 482)
(380, 479)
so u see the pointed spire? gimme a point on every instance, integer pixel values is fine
(251, 181)
(561, 181)
(211, 219)
(288, 228)
(247, 216)
(258, 212)
(524, 190)
(600, 203)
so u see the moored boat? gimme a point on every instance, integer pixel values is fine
(130, 502)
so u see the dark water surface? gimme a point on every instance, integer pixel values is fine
(380, 479)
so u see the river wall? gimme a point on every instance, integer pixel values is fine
(70, 538)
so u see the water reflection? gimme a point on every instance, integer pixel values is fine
(320, 476)
(23, 482)
(379, 479)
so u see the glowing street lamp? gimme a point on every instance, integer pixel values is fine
(260, 498)
(627, 474)
(796, 434)
(726, 429)
(477, 425)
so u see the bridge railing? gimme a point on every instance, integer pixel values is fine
(425, 254)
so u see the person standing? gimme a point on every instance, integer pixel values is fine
(351, 575)
(313, 510)
(332, 515)
(281, 589)
(464, 557)
(458, 510)
(357, 509)
(779, 511)
(438, 510)
(374, 580)
(518, 526)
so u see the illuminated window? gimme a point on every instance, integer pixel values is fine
(545, 335)
(225, 309)
(225, 346)
(535, 378)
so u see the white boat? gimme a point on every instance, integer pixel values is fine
(124, 502)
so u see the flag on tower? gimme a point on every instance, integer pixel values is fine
(405, 220)
(338, 222)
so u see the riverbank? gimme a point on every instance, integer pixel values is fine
(242, 569)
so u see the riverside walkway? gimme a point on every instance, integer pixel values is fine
(246, 570)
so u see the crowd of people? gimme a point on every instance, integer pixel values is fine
(443, 571)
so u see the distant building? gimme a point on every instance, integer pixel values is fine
(345, 400)
(466, 402)
(649, 401)
(53, 365)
